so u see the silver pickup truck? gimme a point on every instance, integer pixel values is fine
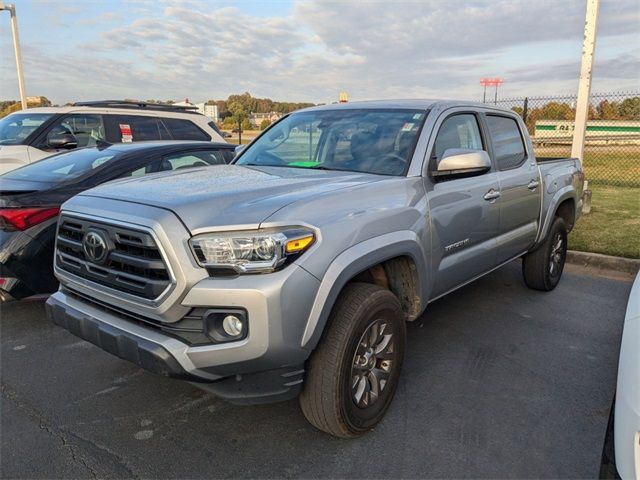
(294, 271)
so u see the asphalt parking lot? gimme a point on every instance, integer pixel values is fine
(499, 381)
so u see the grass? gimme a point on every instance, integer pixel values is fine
(613, 226)
(617, 165)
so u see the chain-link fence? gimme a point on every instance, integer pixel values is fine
(612, 144)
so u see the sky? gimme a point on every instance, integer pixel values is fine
(312, 50)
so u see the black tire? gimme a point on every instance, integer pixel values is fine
(328, 399)
(542, 268)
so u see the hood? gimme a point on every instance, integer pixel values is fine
(228, 194)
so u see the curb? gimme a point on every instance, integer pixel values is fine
(620, 264)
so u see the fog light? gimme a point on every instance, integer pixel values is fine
(232, 325)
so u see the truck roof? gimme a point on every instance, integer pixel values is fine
(416, 104)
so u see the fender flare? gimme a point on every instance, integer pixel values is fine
(560, 196)
(355, 260)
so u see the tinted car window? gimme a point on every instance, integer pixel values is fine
(135, 128)
(87, 129)
(15, 128)
(64, 166)
(458, 131)
(200, 158)
(508, 145)
(184, 130)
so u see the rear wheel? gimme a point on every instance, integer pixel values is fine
(542, 268)
(353, 373)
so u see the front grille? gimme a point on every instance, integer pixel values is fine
(133, 263)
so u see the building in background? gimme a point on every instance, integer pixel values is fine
(210, 111)
(256, 118)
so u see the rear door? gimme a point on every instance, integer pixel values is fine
(520, 186)
(464, 222)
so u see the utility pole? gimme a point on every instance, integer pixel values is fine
(584, 87)
(16, 48)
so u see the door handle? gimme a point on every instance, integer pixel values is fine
(533, 184)
(491, 195)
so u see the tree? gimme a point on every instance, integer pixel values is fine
(608, 110)
(630, 108)
(239, 112)
(265, 123)
(229, 123)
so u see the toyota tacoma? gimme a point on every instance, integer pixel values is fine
(293, 271)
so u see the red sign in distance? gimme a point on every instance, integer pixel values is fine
(491, 82)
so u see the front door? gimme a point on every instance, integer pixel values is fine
(464, 211)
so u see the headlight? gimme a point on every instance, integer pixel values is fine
(257, 251)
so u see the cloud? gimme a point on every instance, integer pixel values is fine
(371, 49)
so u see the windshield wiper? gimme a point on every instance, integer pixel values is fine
(320, 167)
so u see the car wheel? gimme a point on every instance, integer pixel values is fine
(353, 373)
(543, 267)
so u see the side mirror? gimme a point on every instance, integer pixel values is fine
(239, 149)
(461, 162)
(63, 140)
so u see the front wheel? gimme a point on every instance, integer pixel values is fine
(543, 267)
(353, 373)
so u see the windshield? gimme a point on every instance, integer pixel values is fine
(378, 141)
(62, 167)
(15, 128)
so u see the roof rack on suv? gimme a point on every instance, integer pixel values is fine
(138, 105)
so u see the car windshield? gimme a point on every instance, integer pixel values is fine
(378, 141)
(62, 167)
(15, 128)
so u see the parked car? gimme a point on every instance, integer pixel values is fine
(30, 199)
(293, 271)
(30, 135)
(621, 455)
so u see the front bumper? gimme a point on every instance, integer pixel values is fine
(267, 365)
(142, 351)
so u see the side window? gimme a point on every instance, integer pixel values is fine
(87, 129)
(144, 170)
(202, 158)
(227, 155)
(135, 128)
(184, 130)
(508, 146)
(458, 131)
(215, 128)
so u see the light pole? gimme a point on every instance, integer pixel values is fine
(16, 48)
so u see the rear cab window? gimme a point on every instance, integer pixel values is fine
(508, 145)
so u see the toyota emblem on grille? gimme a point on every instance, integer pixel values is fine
(95, 246)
